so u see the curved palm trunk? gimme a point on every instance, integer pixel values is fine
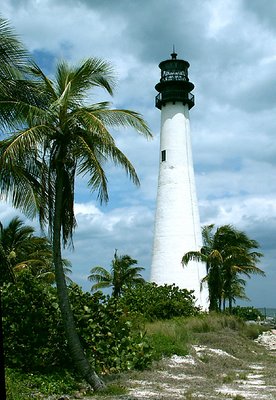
(74, 345)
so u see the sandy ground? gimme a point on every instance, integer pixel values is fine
(208, 373)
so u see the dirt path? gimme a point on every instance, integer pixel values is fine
(208, 373)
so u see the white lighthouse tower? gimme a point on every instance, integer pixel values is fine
(177, 226)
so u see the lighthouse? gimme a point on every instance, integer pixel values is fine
(177, 225)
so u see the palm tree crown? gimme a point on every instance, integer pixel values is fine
(123, 274)
(63, 138)
(228, 254)
(22, 249)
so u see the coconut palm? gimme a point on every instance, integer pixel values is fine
(13, 55)
(228, 254)
(211, 256)
(16, 92)
(23, 250)
(64, 138)
(239, 259)
(124, 274)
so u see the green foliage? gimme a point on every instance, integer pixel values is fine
(123, 274)
(23, 386)
(247, 313)
(33, 333)
(112, 342)
(212, 322)
(20, 249)
(34, 336)
(229, 255)
(176, 335)
(113, 390)
(159, 302)
(168, 337)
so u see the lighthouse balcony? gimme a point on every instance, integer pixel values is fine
(173, 96)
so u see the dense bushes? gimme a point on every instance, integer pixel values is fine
(112, 341)
(33, 332)
(159, 302)
(247, 313)
(109, 328)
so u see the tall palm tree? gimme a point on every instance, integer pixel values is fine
(123, 274)
(228, 254)
(211, 256)
(12, 58)
(61, 139)
(239, 259)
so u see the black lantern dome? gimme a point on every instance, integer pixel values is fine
(174, 83)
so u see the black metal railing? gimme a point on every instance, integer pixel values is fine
(173, 96)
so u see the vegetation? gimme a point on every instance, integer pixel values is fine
(35, 339)
(22, 249)
(123, 275)
(56, 335)
(56, 136)
(164, 338)
(229, 255)
(152, 302)
(248, 313)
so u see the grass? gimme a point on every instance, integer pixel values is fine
(177, 336)
(180, 335)
(24, 386)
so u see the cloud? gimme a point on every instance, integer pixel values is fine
(231, 49)
(100, 232)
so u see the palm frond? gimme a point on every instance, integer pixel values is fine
(193, 256)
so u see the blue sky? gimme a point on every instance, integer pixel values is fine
(231, 48)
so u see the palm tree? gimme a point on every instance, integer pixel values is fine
(227, 254)
(213, 260)
(123, 275)
(16, 92)
(12, 58)
(61, 139)
(24, 250)
(239, 258)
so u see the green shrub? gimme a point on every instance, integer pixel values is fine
(111, 340)
(33, 332)
(212, 322)
(159, 302)
(32, 328)
(247, 313)
(23, 386)
(168, 337)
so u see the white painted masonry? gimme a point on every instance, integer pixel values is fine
(177, 225)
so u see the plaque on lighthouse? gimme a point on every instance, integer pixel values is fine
(177, 224)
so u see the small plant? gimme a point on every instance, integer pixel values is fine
(242, 376)
(21, 386)
(229, 378)
(189, 395)
(168, 338)
(113, 390)
(166, 346)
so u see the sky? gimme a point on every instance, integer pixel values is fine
(231, 48)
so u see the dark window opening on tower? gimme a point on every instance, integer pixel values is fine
(163, 155)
